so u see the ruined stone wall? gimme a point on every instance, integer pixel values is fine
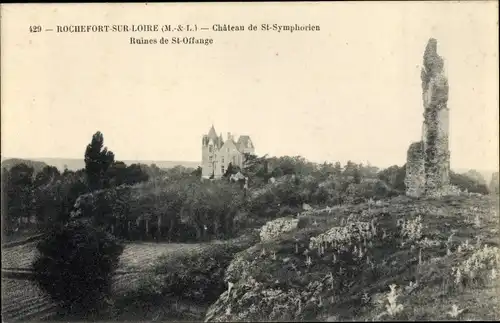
(428, 161)
(435, 98)
(415, 170)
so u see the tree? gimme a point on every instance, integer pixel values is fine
(287, 165)
(136, 174)
(197, 172)
(253, 164)
(394, 176)
(464, 182)
(357, 175)
(350, 168)
(154, 171)
(117, 173)
(368, 171)
(337, 169)
(46, 176)
(18, 194)
(476, 176)
(54, 201)
(229, 170)
(97, 161)
(75, 266)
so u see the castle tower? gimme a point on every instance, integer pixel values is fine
(210, 147)
(436, 122)
(415, 170)
(428, 161)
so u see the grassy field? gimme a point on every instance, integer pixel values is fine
(21, 300)
(19, 256)
(136, 256)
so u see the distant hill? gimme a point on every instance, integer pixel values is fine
(11, 162)
(76, 163)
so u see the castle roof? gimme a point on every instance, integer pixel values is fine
(212, 134)
(244, 142)
(218, 141)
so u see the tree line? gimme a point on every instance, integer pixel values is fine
(46, 198)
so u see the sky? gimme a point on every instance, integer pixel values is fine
(351, 91)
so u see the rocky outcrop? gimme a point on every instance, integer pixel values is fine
(275, 228)
(435, 155)
(296, 278)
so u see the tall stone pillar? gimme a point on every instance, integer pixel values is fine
(436, 122)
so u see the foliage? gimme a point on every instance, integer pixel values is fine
(54, 201)
(11, 162)
(119, 173)
(394, 176)
(198, 276)
(467, 183)
(75, 265)
(231, 170)
(197, 172)
(97, 161)
(181, 210)
(46, 176)
(17, 195)
(179, 172)
(49, 196)
(475, 176)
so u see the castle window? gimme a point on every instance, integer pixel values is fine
(210, 148)
(222, 169)
(210, 158)
(223, 160)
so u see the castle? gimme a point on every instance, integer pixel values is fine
(217, 153)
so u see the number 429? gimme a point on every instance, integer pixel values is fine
(35, 29)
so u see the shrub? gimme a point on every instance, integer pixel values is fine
(468, 184)
(75, 264)
(199, 275)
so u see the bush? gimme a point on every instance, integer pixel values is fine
(74, 266)
(468, 184)
(199, 276)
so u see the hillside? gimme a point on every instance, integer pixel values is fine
(340, 264)
(77, 163)
(343, 262)
(11, 162)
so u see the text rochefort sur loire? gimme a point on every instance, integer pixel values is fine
(182, 31)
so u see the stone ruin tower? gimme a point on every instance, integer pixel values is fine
(415, 170)
(428, 161)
